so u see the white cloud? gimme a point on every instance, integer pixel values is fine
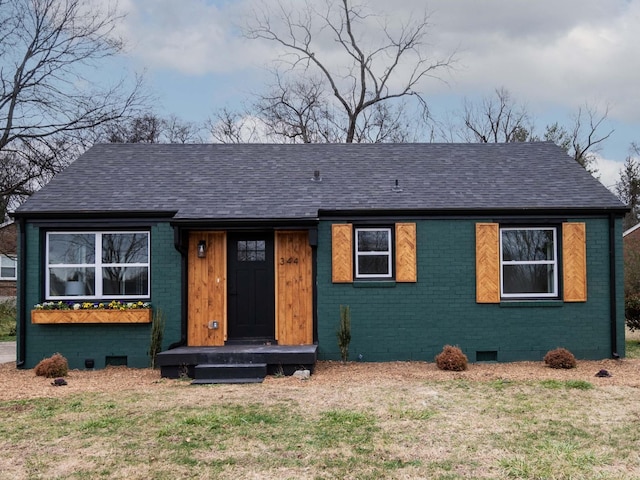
(192, 37)
(547, 52)
(608, 172)
(553, 56)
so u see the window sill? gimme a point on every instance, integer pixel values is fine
(374, 284)
(530, 303)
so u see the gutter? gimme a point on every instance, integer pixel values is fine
(22, 283)
(418, 213)
(164, 215)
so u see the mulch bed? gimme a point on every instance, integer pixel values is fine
(17, 384)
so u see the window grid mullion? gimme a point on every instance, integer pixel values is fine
(98, 274)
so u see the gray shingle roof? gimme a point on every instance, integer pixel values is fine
(263, 181)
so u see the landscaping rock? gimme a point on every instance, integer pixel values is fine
(302, 374)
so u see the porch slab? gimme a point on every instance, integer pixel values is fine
(181, 362)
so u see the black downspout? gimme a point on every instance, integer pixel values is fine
(179, 244)
(613, 297)
(22, 310)
(313, 243)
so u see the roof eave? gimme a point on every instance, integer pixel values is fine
(476, 212)
(93, 214)
(213, 223)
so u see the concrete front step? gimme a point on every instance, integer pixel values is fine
(229, 373)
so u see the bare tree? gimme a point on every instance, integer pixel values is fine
(388, 122)
(229, 126)
(296, 111)
(146, 128)
(501, 118)
(628, 187)
(179, 131)
(150, 128)
(497, 119)
(582, 139)
(584, 136)
(337, 94)
(48, 99)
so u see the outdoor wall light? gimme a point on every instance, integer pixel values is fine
(202, 248)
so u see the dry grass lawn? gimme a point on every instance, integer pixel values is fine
(358, 420)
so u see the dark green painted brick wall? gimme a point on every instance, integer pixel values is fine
(414, 321)
(389, 322)
(79, 342)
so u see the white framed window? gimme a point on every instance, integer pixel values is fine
(97, 265)
(8, 268)
(373, 256)
(528, 262)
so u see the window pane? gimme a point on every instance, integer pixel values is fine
(7, 262)
(7, 267)
(373, 265)
(125, 248)
(7, 272)
(71, 281)
(261, 251)
(373, 240)
(125, 281)
(527, 245)
(528, 279)
(71, 248)
(251, 251)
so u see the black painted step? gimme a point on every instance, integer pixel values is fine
(229, 373)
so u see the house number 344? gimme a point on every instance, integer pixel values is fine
(284, 261)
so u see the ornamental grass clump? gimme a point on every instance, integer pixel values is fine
(560, 358)
(451, 358)
(54, 366)
(344, 332)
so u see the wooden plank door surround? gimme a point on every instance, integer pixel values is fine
(294, 288)
(207, 290)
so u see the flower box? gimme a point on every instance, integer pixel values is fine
(138, 315)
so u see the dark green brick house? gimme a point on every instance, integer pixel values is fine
(506, 250)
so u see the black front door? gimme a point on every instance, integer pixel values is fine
(251, 291)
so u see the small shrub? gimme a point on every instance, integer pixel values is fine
(451, 358)
(632, 311)
(54, 366)
(560, 358)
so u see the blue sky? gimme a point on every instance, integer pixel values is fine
(553, 56)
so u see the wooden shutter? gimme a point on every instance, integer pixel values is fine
(487, 263)
(341, 253)
(406, 256)
(574, 262)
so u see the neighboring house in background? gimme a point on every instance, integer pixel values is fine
(631, 242)
(506, 250)
(8, 260)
